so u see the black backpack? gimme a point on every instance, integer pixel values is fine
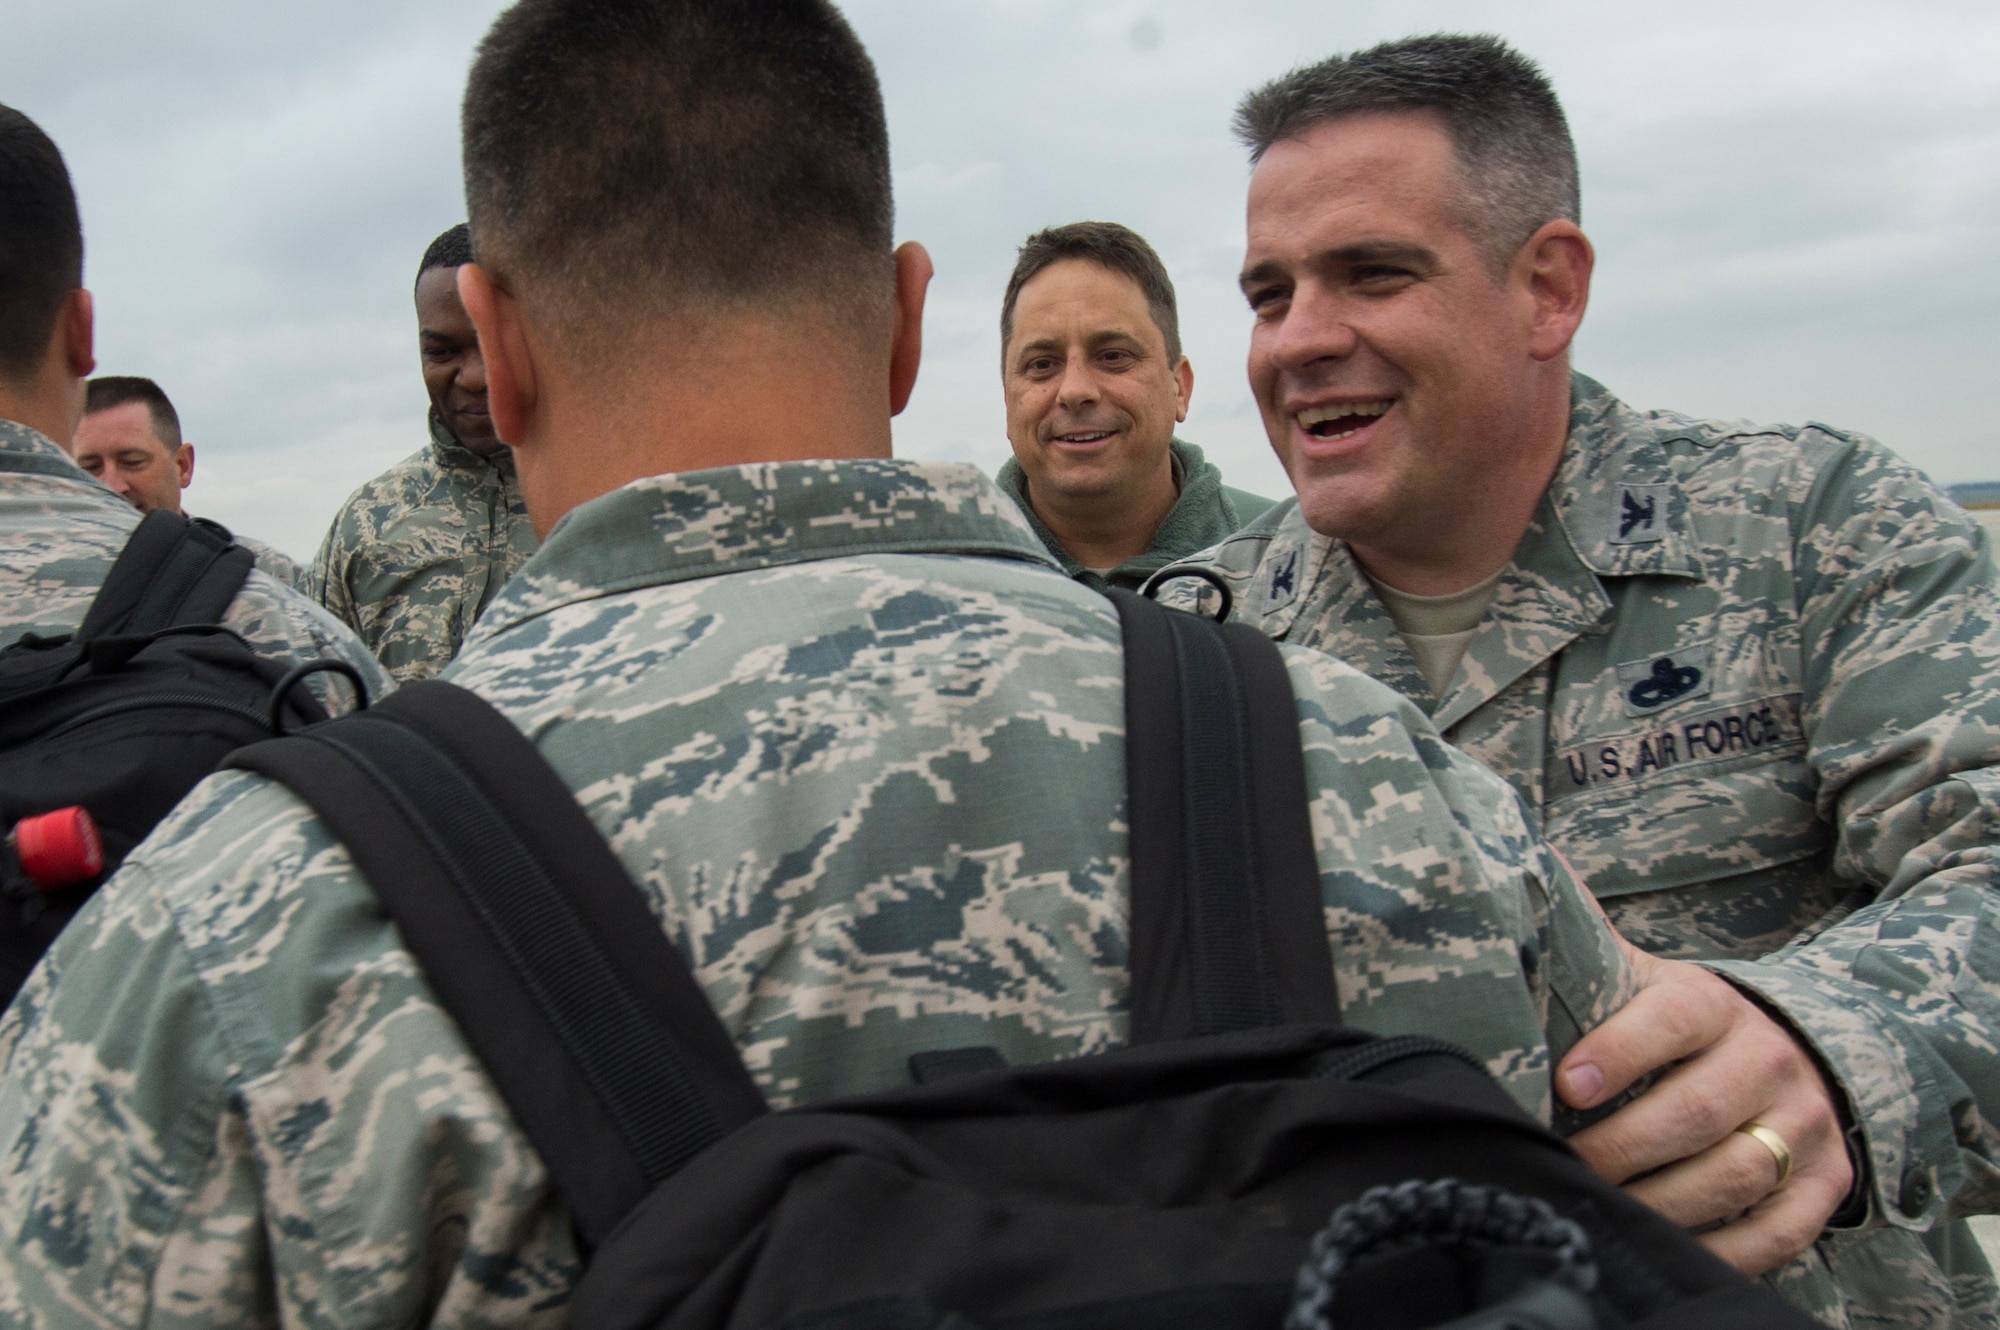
(1245, 1157)
(125, 715)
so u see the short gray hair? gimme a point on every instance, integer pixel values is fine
(1506, 125)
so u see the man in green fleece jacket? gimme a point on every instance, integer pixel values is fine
(1095, 382)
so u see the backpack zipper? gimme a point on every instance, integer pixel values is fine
(1372, 1057)
(202, 701)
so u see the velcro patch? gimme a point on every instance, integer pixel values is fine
(1657, 681)
(1284, 575)
(1639, 514)
(1767, 725)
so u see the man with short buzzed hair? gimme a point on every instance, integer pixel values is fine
(1748, 676)
(60, 529)
(1095, 381)
(841, 715)
(414, 555)
(130, 439)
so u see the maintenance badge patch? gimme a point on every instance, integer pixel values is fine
(1765, 727)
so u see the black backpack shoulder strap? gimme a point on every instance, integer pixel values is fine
(532, 935)
(173, 570)
(1228, 926)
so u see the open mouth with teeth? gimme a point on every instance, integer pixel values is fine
(1083, 438)
(1340, 419)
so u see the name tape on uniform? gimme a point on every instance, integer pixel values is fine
(1762, 726)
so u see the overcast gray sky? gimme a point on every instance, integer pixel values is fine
(1796, 205)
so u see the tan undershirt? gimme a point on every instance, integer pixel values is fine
(1437, 628)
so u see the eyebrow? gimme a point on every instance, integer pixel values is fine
(1357, 254)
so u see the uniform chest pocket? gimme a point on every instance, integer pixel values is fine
(1711, 792)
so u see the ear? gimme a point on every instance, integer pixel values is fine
(1183, 387)
(1553, 269)
(913, 280)
(511, 388)
(184, 463)
(77, 326)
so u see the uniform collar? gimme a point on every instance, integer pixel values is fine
(453, 455)
(29, 450)
(695, 524)
(1615, 492)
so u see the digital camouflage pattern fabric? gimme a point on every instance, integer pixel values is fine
(862, 746)
(1750, 679)
(62, 531)
(280, 566)
(1206, 511)
(416, 554)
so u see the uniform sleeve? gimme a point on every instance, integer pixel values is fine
(327, 580)
(1901, 998)
(286, 628)
(1447, 915)
(127, 1192)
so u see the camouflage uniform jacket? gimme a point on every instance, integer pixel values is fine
(281, 566)
(419, 552)
(1206, 511)
(1750, 679)
(61, 532)
(863, 748)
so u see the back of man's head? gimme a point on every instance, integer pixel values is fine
(1108, 245)
(41, 243)
(114, 390)
(1505, 122)
(634, 167)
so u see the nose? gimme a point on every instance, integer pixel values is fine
(114, 479)
(1315, 327)
(471, 376)
(1078, 387)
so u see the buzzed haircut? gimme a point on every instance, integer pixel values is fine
(452, 249)
(111, 390)
(1108, 245)
(1507, 127)
(41, 242)
(650, 158)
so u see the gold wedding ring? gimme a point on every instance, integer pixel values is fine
(1770, 1140)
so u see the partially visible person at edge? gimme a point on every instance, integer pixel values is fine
(61, 529)
(1748, 676)
(840, 714)
(415, 555)
(1095, 382)
(130, 439)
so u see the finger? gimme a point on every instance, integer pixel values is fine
(1723, 1181)
(1666, 1022)
(1778, 1228)
(1690, 1109)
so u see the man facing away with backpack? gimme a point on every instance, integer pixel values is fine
(841, 716)
(61, 530)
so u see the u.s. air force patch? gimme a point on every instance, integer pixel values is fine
(1763, 728)
(1657, 681)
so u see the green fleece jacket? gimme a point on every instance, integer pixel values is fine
(1207, 511)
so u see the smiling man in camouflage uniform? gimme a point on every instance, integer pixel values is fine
(1749, 677)
(841, 717)
(60, 530)
(416, 554)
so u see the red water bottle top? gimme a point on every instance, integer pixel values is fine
(60, 848)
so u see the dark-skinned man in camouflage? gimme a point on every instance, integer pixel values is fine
(1748, 677)
(855, 735)
(416, 554)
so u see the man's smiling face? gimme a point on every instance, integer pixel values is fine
(1391, 367)
(454, 373)
(1092, 398)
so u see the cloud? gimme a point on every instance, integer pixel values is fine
(1796, 207)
